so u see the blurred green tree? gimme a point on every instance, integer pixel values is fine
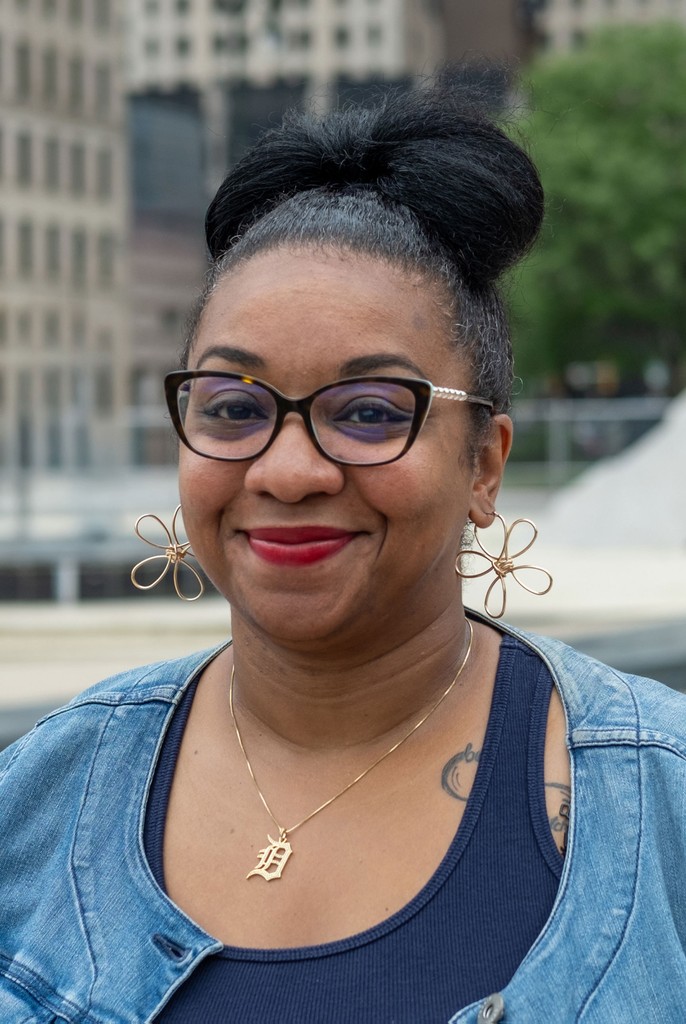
(607, 128)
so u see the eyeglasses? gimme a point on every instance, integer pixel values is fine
(361, 421)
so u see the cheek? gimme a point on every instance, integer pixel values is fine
(205, 487)
(427, 495)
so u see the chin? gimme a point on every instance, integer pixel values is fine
(299, 620)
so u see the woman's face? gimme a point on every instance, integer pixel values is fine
(305, 550)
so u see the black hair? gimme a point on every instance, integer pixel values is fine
(420, 180)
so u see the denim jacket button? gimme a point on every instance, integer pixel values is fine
(492, 1010)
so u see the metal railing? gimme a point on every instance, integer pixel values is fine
(558, 437)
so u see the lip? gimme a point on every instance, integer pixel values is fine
(297, 545)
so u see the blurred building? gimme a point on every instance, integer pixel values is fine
(563, 24)
(168, 200)
(198, 43)
(492, 30)
(64, 329)
(278, 48)
(205, 77)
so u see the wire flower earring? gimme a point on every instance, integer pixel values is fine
(503, 565)
(174, 553)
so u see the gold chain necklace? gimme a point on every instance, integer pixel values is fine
(273, 858)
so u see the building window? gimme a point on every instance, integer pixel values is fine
(104, 391)
(22, 71)
(24, 159)
(77, 169)
(171, 320)
(78, 333)
(24, 328)
(53, 254)
(374, 35)
(341, 37)
(300, 40)
(51, 329)
(183, 46)
(152, 47)
(2, 248)
(78, 258)
(103, 185)
(49, 8)
(103, 90)
(183, 6)
(2, 155)
(52, 164)
(106, 260)
(152, 6)
(76, 11)
(229, 6)
(50, 84)
(103, 14)
(25, 248)
(3, 328)
(76, 75)
(53, 437)
(24, 419)
(237, 42)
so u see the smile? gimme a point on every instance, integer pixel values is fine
(297, 545)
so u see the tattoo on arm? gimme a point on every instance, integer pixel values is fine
(458, 773)
(559, 823)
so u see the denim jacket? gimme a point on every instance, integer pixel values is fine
(87, 936)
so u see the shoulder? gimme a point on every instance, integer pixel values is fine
(78, 724)
(605, 705)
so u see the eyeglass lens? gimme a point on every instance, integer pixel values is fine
(360, 422)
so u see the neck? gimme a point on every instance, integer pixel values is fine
(317, 701)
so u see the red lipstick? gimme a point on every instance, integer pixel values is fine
(297, 545)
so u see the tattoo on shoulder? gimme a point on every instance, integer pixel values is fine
(559, 823)
(458, 773)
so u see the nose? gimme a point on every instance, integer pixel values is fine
(292, 469)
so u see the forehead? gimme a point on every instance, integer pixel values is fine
(300, 312)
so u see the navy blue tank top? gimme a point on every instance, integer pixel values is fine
(463, 935)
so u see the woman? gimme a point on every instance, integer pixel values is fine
(356, 811)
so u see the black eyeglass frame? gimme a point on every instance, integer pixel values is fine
(423, 390)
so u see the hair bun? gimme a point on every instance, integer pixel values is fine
(468, 184)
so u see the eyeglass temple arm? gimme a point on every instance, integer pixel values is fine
(461, 396)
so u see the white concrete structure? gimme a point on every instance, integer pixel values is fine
(634, 501)
(64, 337)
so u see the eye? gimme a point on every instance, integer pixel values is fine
(372, 411)
(233, 404)
(236, 406)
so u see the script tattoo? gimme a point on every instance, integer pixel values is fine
(559, 823)
(458, 773)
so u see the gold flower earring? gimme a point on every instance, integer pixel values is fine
(174, 554)
(503, 565)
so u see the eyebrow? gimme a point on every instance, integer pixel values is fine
(379, 361)
(358, 366)
(248, 360)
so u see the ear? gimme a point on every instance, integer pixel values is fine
(488, 471)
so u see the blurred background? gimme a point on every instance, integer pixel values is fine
(118, 120)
